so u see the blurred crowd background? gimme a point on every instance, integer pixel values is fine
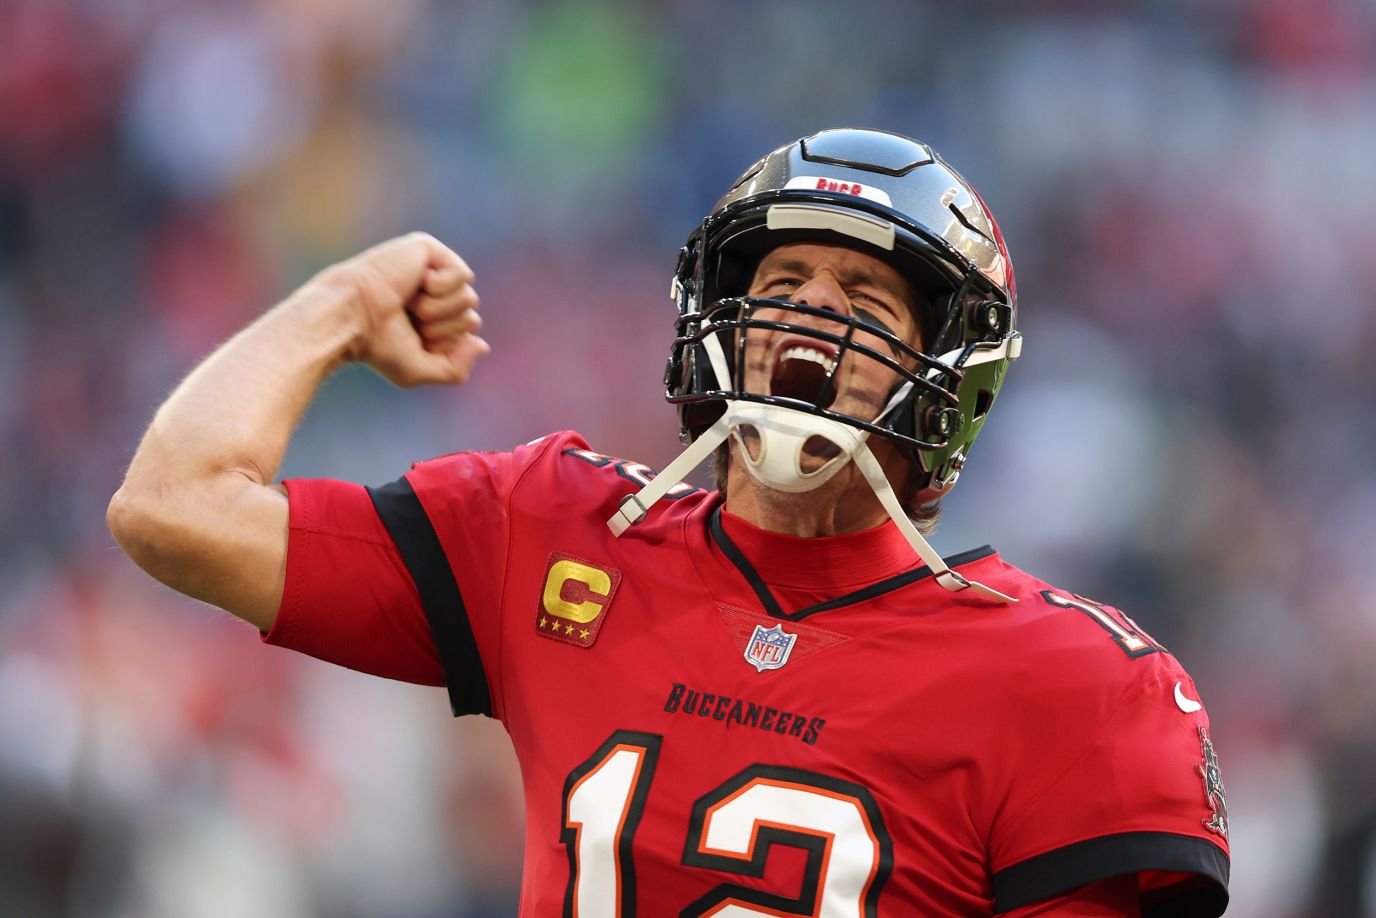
(1187, 190)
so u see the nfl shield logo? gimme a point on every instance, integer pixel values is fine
(768, 648)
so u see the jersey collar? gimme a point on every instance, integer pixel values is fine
(880, 555)
(837, 562)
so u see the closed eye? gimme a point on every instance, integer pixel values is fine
(881, 302)
(785, 283)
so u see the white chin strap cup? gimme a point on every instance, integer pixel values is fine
(783, 432)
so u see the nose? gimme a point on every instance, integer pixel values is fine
(823, 291)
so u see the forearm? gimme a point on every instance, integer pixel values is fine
(235, 413)
(197, 510)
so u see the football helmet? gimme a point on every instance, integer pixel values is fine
(885, 195)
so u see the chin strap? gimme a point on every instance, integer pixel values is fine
(634, 506)
(951, 580)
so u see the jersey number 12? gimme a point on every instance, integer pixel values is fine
(731, 828)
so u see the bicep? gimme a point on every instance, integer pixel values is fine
(224, 543)
(245, 572)
(241, 553)
(347, 596)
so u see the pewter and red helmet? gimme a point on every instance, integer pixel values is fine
(888, 196)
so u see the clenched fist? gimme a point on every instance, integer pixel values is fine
(417, 310)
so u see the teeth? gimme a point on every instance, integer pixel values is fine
(799, 352)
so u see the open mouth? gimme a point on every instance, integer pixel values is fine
(801, 370)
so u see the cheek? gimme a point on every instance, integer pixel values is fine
(903, 332)
(758, 338)
(771, 314)
(875, 343)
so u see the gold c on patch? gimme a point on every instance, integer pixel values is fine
(575, 599)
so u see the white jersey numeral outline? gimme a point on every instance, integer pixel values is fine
(1126, 633)
(603, 801)
(837, 822)
(731, 829)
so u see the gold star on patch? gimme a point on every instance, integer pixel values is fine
(584, 633)
(543, 621)
(568, 629)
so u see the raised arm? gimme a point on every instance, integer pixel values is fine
(199, 508)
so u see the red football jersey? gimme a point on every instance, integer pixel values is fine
(712, 719)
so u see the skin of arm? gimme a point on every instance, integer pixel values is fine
(199, 508)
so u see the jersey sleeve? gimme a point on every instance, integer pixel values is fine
(1120, 779)
(373, 574)
(451, 521)
(348, 598)
(1116, 897)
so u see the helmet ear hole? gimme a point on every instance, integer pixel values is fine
(983, 400)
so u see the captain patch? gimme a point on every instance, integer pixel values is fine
(575, 599)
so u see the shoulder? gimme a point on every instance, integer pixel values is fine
(464, 464)
(1085, 685)
(1069, 650)
(1110, 768)
(555, 476)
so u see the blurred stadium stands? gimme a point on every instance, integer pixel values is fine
(1188, 191)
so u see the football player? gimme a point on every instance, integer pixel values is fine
(773, 698)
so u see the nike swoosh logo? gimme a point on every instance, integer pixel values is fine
(1188, 705)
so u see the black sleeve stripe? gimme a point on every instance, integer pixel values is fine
(1067, 868)
(424, 557)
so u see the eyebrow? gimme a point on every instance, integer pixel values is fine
(847, 276)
